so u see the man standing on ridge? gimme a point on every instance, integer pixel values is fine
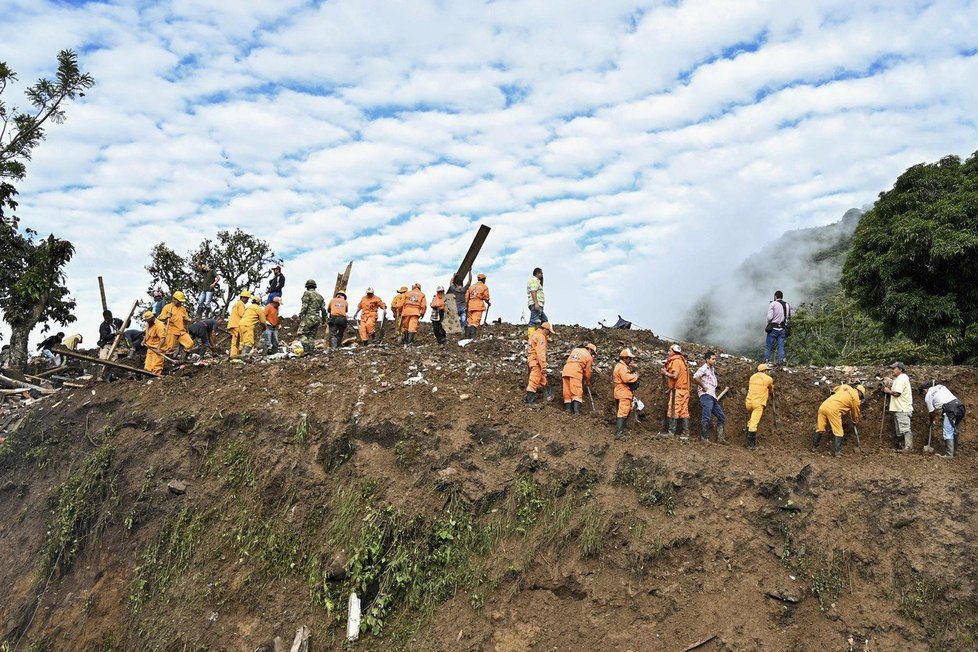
(760, 389)
(275, 284)
(271, 325)
(577, 373)
(158, 303)
(676, 370)
(706, 381)
(338, 309)
(535, 298)
(626, 382)
(939, 398)
(369, 305)
(901, 405)
(460, 291)
(413, 308)
(177, 320)
(234, 319)
(310, 316)
(106, 333)
(438, 315)
(536, 357)
(477, 302)
(208, 281)
(778, 315)
(153, 341)
(396, 303)
(845, 399)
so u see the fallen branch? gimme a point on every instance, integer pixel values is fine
(10, 383)
(700, 643)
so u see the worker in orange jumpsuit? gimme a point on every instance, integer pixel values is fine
(438, 315)
(369, 306)
(336, 318)
(237, 311)
(626, 382)
(676, 371)
(845, 399)
(413, 308)
(536, 358)
(174, 315)
(760, 388)
(477, 302)
(577, 373)
(254, 315)
(396, 304)
(153, 340)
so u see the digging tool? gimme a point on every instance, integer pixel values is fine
(723, 393)
(855, 429)
(594, 410)
(930, 431)
(774, 414)
(383, 327)
(883, 417)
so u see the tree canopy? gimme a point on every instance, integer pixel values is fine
(913, 257)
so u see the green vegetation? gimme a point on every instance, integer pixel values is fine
(644, 475)
(169, 555)
(826, 569)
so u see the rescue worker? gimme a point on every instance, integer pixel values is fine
(271, 324)
(176, 319)
(338, 309)
(626, 382)
(438, 315)
(577, 373)
(413, 308)
(760, 389)
(204, 332)
(939, 398)
(72, 341)
(153, 340)
(477, 302)
(396, 304)
(369, 305)
(535, 298)
(706, 389)
(237, 311)
(45, 349)
(253, 315)
(676, 370)
(845, 399)
(901, 405)
(536, 358)
(310, 316)
(460, 291)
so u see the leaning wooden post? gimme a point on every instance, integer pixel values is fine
(118, 337)
(101, 291)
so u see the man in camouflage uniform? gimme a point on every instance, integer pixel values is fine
(310, 316)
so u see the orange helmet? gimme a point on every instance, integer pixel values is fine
(590, 347)
(626, 353)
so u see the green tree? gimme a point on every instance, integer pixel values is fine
(240, 259)
(914, 254)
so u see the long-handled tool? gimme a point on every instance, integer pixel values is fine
(774, 413)
(883, 417)
(594, 410)
(930, 431)
(855, 429)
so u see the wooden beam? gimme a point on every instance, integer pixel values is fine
(342, 280)
(472, 253)
(49, 372)
(108, 363)
(118, 336)
(10, 383)
(101, 291)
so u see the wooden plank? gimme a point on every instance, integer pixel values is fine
(342, 280)
(50, 372)
(11, 383)
(118, 336)
(472, 253)
(101, 291)
(109, 363)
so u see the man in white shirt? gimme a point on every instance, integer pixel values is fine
(939, 397)
(706, 381)
(901, 404)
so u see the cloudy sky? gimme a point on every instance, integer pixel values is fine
(637, 151)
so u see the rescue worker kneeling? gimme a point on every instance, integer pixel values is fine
(845, 399)
(338, 308)
(626, 382)
(536, 358)
(577, 373)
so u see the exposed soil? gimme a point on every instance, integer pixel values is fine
(226, 505)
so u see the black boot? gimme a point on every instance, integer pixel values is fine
(684, 428)
(816, 440)
(721, 439)
(837, 446)
(672, 427)
(576, 407)
(531, 397)
(620, 428)
(548, 393)
(470, 332)
(705, 432)
(948, 449)
(568, 407)
(751, 441)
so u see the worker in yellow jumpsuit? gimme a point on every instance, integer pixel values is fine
(760, 388)
(174, 315)
(845, 399)
(397, 304)
(253, 315)
(153, 341)
(237, 311)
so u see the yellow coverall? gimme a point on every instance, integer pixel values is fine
(759, 390)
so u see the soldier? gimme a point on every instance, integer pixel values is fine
(310, 316)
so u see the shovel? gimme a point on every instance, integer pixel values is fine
(855, 429)
(594, 410)
(930, 431)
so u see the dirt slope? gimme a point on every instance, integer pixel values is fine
(224, 506)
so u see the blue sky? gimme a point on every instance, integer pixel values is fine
(635, 151)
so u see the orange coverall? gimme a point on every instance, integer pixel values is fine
(536, 357)
(153, 340)
(253, 314)
(368, 307)
(577, 371)
(623, 394)
(844, 399)
(678, 405)
(413, 308)
(338, 307)
(396, 304)
(476, 301)
(758, 392)
(175, 317)
(237, 310)
(271, 314)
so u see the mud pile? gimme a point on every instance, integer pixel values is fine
(225, 506)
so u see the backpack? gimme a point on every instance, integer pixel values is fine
(785, 325)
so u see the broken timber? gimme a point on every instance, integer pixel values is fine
(101, 291)
(451, 323)
(343, 279)
(118, 336)
(108, 363)
(11, 383)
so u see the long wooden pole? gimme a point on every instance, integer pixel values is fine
(108, 363)
(470, 255)
(101, 291)
(118, 336)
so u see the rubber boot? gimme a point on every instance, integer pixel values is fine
(576, 407)
(568, 407)
(837, 446)
(620, 428)
(672, 427)
(948, 449)
(816, 440)
(721, 439)
(470, 332)
(684, 428)
(705, 433)
(751, 441)
(548, 393)
(531, 397)
(957, 449)
(246, 350)
(907, 444)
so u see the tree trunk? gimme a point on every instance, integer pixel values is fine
(19, 335)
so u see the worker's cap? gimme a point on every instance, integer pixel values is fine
(590, 347)
(763, 367)
(416, 286)
(403, 288)
(341, 293)
(481, 277)
(370, 290)
(440, 288)
(547, 327)
(277, 300)
(245, 294)
(898, 365)
(626, 353)
(179, 296)
(148, 314)
(157, 293)
(675, 348)
(861, 390)
(278, 267)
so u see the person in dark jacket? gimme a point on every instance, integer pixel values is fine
(46, 346)
(107, 331)
(205, 332)
(275, 284)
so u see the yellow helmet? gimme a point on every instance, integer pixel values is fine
(402, 290)
(763, 367)
(180, 296)
(245, 294)
(148, 314)
(626, 353)
(861, 390)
